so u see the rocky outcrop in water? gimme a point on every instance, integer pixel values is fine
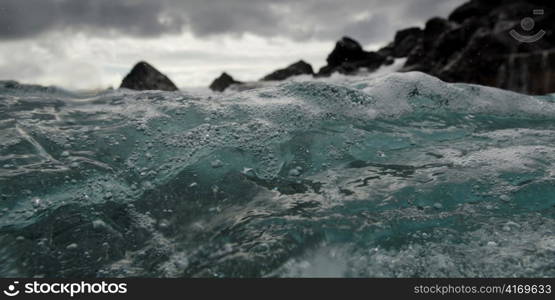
(483, 42)
(143, 76)
(348, 57)
(508, 44)
(223, 82)
(298, 68)
(487, 45)
(405, 41)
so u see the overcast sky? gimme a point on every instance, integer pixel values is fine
(90, 44)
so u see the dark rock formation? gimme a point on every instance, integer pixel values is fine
(478, 62)
(419, 58)
(223, 82)
(348, 57)
(346, 50)
(29, 88)
(298, 68)
(143, 76)
(476, 47)
(388, 50)
(405, 41)
(473, 45)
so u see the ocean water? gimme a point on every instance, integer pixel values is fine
(397, 175)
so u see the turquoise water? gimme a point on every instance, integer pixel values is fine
(393, 176)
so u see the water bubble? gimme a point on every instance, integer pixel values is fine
(214, 209)
(438, 205)
(297, 171)
(72, 246)
(37, 202)
(217, 164)
(510, 226)
(247, 171)
(492, 244)
(181, 263)
(99, 224)
(164, 223)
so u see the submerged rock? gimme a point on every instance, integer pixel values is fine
(221, 83)
(298, 68)
(143, 76)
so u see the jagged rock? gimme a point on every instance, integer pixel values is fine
(298, 68)
(420, 57)
(449, 44)
(405, 41)
(143, 76)
(388, 50)
(476, 47)
(221, 83)
(478, 62)
(345, 50)
(348, 57)
(473, 45)
(433, 30)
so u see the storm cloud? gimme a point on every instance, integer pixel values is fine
(370, 20)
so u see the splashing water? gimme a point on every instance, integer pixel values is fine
(397, 176)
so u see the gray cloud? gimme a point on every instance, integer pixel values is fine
(368, 20)
(27, 18)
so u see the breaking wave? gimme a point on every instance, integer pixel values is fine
(400, 175)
